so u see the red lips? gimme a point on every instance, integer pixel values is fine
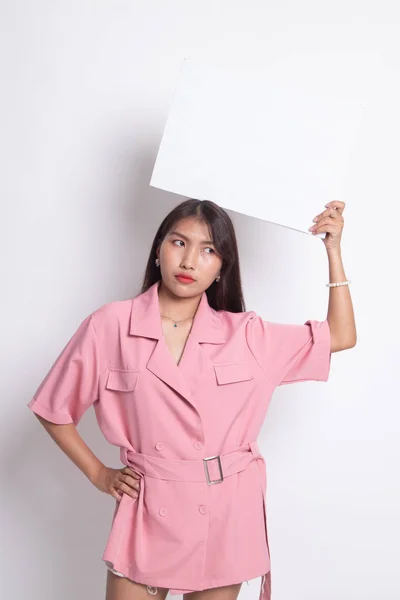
(184, 276)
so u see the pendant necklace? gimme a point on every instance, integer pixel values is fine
(176, 322)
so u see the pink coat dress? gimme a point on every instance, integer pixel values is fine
(190, 431)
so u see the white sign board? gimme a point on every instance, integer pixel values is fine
(255, 145)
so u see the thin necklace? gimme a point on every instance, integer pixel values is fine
(176, 322)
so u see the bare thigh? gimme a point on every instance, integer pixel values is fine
(226, 592)
(121, 588)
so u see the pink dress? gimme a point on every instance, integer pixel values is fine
(190, 431)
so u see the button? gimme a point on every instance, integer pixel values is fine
(159, 446)
(163, 512)
(198, 445)
(203, 509)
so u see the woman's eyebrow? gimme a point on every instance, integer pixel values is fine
(186, 238)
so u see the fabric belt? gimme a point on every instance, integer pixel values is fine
(213, 470)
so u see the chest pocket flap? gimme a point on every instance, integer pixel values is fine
(233, 372)
(122, 380)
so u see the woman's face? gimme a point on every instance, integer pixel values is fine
(189, 249)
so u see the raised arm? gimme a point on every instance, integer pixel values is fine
(340, 307)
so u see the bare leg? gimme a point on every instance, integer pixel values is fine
(121, 588)
(226, 592)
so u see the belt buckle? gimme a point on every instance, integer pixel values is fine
(209, 481)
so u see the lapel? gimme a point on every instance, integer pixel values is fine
(207, 328)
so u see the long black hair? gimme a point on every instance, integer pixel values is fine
(226, 294)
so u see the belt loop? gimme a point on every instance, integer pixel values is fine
(123, 456)
(254, 448)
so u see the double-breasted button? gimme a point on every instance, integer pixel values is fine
(203, 509)
(159, 446)
(162, 511)
(198, 445)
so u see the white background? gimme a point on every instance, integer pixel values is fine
(86, 89)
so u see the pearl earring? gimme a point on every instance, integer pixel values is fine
(157, 262)
(218, 278)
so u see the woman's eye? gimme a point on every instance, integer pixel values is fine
(207, 247)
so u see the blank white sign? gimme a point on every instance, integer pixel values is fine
(255, 145)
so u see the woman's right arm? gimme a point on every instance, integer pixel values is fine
(64, 395)
(68, 439)
(108, 480)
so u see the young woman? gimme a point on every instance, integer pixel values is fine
(180, 377)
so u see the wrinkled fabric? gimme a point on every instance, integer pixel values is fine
(151, 589)
(184, 532)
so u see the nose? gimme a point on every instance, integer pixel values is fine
(187, 265)
(189, 259)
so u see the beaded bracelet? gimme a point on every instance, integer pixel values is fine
(338, 283)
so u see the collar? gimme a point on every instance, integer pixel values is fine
(146, 321)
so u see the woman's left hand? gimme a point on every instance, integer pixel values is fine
(331, 222)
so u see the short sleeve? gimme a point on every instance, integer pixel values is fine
(288, 352)
(72, 384)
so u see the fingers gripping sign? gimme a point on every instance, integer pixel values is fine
(331, 222)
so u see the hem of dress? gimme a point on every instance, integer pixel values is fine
(126, 571)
